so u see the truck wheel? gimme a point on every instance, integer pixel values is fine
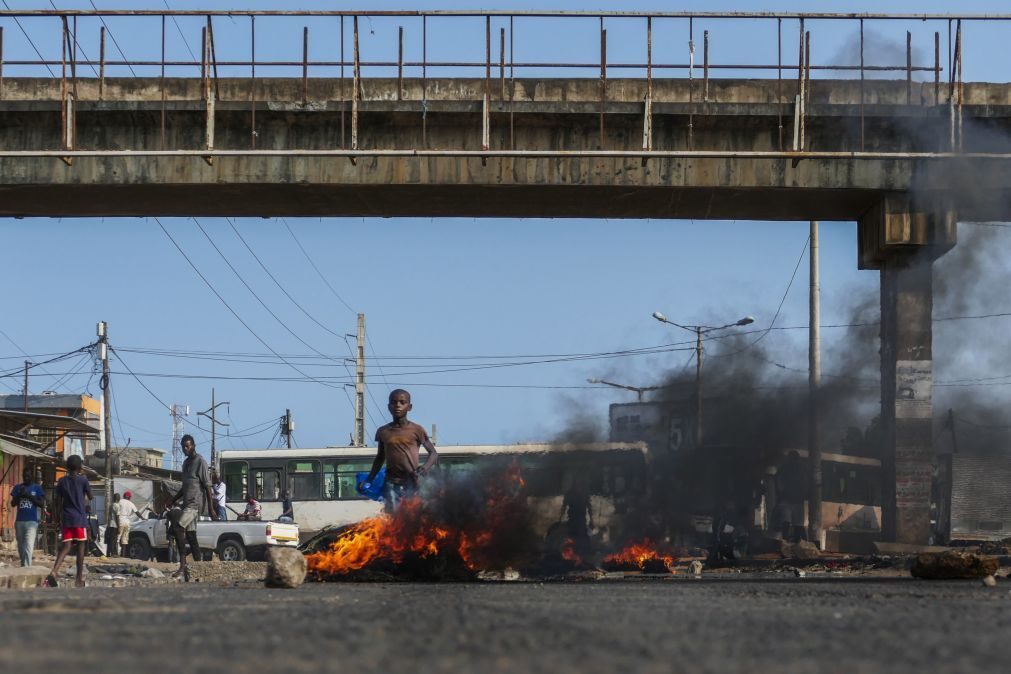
(231, 551)
(139, 548)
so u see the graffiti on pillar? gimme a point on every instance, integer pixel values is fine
(914, 383)
(912, 484)
(914, 386)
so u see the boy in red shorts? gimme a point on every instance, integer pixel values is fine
(73, 492)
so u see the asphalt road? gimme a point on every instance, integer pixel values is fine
(739, 625)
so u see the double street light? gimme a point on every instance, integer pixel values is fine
(638, 389)
(699, 331)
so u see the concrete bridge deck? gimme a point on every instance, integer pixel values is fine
(552, 148)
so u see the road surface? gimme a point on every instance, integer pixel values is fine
(711, 625)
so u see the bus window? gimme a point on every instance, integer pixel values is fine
(235, 473)
(340, 482)
(303, 480)
(267, 484)
(457, 466)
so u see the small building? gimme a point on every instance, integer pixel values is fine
(140, 457)
(31, 440)
(76, 406)
(661, 426)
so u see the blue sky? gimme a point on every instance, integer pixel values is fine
(446, 290)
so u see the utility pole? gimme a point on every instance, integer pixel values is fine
(360, 384)
(103, 354)
(698, 387)
(814, 382)
(28, 364)
(211, 414)
(287, 426)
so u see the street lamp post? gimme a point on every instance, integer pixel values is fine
(638, 389)
(699, 331)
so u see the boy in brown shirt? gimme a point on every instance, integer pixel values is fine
(398, 446)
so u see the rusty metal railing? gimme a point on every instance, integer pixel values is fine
(505, 66)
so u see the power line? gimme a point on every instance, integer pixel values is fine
(264, 305)
(27, 37)
(263, 266)
(185, 42)
(318, 272)
(779, 309)
(256, 257)
(145, 387)
(76, 43)
(109, 30)
(224, 302)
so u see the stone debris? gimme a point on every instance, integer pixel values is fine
(990, 581)
(695, 568)
(285, 567)
(152, 573)
(953, 565)
(800, 550)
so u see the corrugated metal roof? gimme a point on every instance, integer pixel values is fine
(8, 447)
(48, 421)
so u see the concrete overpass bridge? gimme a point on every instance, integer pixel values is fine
(905, 157)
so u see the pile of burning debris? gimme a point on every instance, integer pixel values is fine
(463, 532)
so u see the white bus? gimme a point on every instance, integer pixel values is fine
(322, 482)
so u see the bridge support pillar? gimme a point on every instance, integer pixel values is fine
(902, 239)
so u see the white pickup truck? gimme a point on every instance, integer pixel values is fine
(232, 540)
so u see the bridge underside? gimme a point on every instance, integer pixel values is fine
(559, 116)
(398, 200)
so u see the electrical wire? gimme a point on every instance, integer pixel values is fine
(37, 52)
(77, 44)
(150, 392)
(779, 309)
(109, 30)
(80, 366)
(227, 305)
(287, 294)
(264, 305)
(313, 265)
(185, 41)
(278, 283)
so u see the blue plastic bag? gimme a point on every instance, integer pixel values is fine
(375, 490)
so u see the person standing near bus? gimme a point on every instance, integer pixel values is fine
(398, 446)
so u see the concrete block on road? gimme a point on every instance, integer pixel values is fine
(285, 567)
(16, 577)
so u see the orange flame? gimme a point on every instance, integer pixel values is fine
(569, 553)
(639, 554)
(415, 530)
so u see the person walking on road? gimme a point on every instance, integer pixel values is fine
(196, 494)
(73, 492)
(112, 529)
(27, 497)
(398, 446)
(127, 510)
